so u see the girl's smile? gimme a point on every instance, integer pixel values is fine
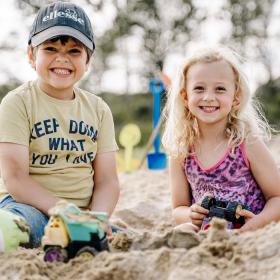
(210, 91)
(209, 109)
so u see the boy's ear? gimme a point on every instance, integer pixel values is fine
(88, 63)
(87, 66)
(31, 57)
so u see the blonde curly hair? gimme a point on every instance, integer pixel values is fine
(181, 127)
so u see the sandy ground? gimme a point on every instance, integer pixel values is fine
(151, 249)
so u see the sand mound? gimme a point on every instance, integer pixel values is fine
(151, 249)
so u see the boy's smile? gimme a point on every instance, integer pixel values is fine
(59, 66)
(62, 71)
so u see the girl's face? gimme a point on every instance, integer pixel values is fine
(210, 91)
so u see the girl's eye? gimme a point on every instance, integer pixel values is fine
(75, 51)
(199, 89)
(220, 89)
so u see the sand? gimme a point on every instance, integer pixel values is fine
(151, 249)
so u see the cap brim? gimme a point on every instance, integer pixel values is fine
(60, 31)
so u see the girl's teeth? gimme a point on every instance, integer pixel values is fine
(61, 71)
(209, 109)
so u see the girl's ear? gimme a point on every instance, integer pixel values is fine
(183, 94)
(236, 99)
(31, 57)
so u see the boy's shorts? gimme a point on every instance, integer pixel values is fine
(36, 219)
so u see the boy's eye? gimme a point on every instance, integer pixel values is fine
(50, 49)
(74, 51)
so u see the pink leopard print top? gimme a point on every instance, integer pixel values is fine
(230, 180)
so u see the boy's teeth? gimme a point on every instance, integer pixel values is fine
(61, 71)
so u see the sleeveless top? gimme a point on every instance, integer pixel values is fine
(230, 179)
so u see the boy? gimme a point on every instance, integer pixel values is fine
(56, 140)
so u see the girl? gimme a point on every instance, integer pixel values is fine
(214, 137)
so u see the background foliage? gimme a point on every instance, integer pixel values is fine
(144, 34)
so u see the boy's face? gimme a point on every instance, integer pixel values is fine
(59, 66)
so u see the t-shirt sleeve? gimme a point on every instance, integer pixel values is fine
(14, 125)
(106, 141)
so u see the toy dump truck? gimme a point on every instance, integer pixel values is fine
(72, 232)
(227, 210)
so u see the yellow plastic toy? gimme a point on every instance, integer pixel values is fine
(14, 231)
(130, 136)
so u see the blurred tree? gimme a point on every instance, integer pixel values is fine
(8, 87)
(250, 22)
(154, 28)
(141, 34)
(144, 32)
(139, 112)
(269, 97)
(250, 33)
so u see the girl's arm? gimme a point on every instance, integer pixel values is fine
(14, 166)
(267, 175)
(106, 184)
(180, 192)
(183, 209)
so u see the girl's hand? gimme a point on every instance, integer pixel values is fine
(197, 214)
(187, 227)
(251, 220)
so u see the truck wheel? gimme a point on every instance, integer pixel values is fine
(55, 254)
(208, 202)
(104, 244)
(87, 252)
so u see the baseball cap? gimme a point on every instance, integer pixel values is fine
(61, 19)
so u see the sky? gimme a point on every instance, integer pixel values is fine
(16, 62)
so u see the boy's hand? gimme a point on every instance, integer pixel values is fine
(197, 214)
(109, 230)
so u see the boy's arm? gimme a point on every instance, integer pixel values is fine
(106, 184)
(14, 166)
(267, 175)
(181, 198)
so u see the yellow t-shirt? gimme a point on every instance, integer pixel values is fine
(63, 138)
